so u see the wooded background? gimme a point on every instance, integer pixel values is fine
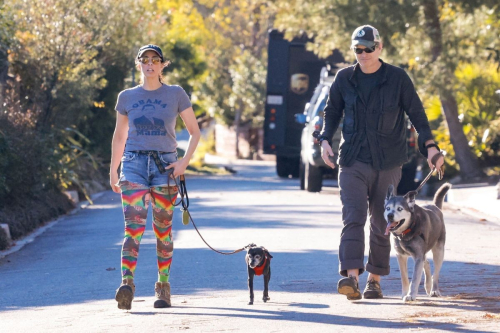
(62, 64)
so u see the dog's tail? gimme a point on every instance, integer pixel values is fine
(440, 194)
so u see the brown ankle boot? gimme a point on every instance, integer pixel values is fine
(125, 294)
(162, 293)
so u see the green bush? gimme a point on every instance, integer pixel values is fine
(29, 187)
(4, 241)
(3, 168)
(34, 212)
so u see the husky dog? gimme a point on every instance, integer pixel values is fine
(417, 230)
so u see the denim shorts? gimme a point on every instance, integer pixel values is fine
(139, 167)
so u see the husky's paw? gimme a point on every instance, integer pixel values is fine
(266, 298)
(435, 293)
(409, 298)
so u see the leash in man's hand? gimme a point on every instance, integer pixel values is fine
(440, 171)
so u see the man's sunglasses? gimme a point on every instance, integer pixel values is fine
(357, 50)
(154, 60)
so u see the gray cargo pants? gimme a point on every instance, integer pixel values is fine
(362, 189)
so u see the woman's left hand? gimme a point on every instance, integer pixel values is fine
(179, 167)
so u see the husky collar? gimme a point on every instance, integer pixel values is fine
(410, 228)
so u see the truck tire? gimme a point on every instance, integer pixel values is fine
(282, 168)
(302, 174)
(295, 167)
(313, 178)
(287, 166)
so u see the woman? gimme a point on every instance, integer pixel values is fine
(144, 142)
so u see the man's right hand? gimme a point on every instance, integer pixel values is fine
(327, 153)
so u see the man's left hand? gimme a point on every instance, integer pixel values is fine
(431, 152)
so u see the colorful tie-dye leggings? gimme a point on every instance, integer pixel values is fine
(135, 201)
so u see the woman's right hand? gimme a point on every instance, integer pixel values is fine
(113, 181)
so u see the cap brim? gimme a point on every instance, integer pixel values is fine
(367, 43)
(145, 50)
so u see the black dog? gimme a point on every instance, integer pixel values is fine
(258, 261)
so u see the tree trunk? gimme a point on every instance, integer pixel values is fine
(4, 69)
(44, 118)
(468, 162)
(237, 121)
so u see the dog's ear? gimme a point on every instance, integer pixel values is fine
(390, 193)
(410, 199)
(267, 253)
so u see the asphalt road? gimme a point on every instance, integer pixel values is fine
(66, 278)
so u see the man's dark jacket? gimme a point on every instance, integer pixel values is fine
(382, 117)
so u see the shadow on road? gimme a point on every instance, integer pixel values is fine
(78, 261)
(202, 272)
(331, 319)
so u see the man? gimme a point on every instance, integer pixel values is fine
(373, 97)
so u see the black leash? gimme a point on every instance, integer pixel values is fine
(440, 172)
(184, 201)
(185, 205)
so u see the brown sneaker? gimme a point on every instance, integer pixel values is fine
(162, 293)
(349, 286)
(372, 290)
(125, 294)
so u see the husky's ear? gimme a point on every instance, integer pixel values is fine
(390, 193)
(410, 199)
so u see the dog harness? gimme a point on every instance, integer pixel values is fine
(259, 270)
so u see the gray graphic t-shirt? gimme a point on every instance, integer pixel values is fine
(151, 116)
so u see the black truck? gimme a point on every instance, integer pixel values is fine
(292, 76)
